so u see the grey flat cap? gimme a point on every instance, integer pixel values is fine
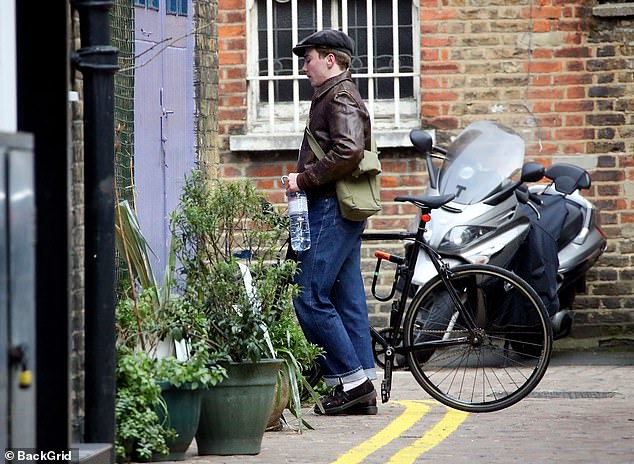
(329, 38)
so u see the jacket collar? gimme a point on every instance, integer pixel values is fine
(330, 83)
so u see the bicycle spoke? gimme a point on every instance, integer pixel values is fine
(491, 365)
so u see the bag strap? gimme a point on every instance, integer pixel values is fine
(319, 152)
(314, 146)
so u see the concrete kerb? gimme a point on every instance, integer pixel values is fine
(621, 343)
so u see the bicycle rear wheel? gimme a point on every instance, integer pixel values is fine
(490, 366)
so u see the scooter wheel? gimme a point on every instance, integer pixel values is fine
(562, 323)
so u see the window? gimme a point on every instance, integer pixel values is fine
(172, 7)
(149, 4)
(385, 66)
(176, 7)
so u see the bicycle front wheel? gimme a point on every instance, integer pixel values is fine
(487, 358)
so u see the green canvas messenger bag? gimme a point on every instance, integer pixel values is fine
(359, 194)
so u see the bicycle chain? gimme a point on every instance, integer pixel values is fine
(444, 331)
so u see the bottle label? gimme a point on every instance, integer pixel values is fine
(297, 205)
(294, 208)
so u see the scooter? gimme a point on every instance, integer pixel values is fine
(546, 232)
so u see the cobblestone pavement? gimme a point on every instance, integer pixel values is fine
(582, 412)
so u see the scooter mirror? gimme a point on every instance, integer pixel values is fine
(421, 140)
(532, 172)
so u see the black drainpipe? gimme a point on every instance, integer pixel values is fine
(97, 61)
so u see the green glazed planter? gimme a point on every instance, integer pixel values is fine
(235, 412)
(183, 409)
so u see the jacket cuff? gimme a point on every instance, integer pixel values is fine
(301, 181)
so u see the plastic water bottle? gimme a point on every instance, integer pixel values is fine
(298, 214)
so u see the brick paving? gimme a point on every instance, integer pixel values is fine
(582, 412)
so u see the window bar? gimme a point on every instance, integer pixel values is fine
(253, 69)
(416, 53)
(320, 15)
(370, 60)
(396, 53)
(344, 16)
(294, 40)
(334, 14)
(269, 61)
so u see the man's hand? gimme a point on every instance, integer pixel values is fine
(290, 181)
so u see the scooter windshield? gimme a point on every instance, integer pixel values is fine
(484, 158)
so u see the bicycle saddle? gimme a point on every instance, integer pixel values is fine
(423, 201)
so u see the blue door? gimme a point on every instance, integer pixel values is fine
(164, 150)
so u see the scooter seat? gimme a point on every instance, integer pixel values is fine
(572, 225)
(578, 178)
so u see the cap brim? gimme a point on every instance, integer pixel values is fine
(300, 50)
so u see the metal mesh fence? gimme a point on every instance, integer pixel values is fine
(122, 37)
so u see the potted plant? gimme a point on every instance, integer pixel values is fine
(140, 433)
(157, 405)
(158, 393)
(228, 241)
(158, 402)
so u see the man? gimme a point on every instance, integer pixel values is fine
(331, 307)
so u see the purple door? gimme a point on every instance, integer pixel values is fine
(163, 117)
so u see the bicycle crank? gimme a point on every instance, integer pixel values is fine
(386, 384)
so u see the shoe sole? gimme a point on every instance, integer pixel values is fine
(359, 411)
(354, 411)
(345, 409)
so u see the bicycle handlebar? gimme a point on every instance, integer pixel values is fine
(391, 258)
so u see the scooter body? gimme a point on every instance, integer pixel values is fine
(581, 241)
(487, 221)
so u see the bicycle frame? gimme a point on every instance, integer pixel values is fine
(457, 346)
(405, 268)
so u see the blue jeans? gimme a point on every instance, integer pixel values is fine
(331, 306)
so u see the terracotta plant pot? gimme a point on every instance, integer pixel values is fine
(281, 397)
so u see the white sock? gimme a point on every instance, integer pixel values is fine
(355, 383)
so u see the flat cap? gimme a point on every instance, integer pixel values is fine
(329, 38)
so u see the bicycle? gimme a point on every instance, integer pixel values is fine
(476, 337)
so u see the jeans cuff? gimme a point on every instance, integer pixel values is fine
(357, 374)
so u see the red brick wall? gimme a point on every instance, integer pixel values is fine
(550, 65)
(576, 84)
(232, 74)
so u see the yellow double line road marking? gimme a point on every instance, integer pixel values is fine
(414, 411)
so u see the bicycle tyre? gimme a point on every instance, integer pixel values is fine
(481, 371)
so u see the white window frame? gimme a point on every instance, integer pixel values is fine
(283, 122)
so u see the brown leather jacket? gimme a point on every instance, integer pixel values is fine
(340, 124)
